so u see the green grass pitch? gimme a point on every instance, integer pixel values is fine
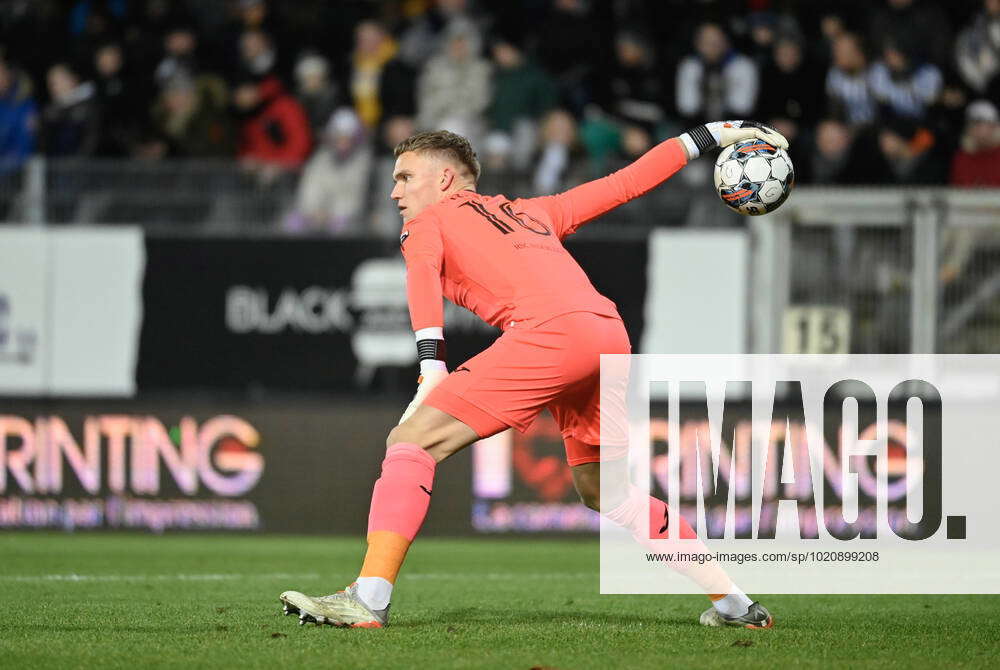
(138, 601)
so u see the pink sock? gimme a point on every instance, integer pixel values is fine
(631, 515)
(403, 493)
(399, 504)
(660, 518)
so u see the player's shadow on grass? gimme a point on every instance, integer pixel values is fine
(481, 616)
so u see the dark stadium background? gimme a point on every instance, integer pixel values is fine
(218, 171)
(203, 322)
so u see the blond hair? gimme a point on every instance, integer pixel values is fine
(444, 144)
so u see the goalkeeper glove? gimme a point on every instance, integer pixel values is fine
(431, 374)
(723, 133)
(431, 354)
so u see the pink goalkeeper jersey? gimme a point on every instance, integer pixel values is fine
(504, 259)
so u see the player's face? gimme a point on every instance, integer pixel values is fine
(419, 182)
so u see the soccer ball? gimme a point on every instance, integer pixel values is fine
(753, 177)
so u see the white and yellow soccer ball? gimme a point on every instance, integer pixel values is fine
(753, 177)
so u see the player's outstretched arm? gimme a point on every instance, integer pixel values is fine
(588, 201)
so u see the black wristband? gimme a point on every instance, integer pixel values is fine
(431, 350)
(703, 138)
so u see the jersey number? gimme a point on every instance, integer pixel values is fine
(533, 225)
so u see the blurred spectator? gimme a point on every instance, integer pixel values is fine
(601, 139)
(520, 88)
(180, 53)
(249, 17)
(454, 89)
(274, 135)
(903, 87)
(258, 57)
(977, 51)
(921, 22)
(123, 98)
(831, 26)
(565, 74)
(423, 38)
(18, 118)
(847, 83)
(765, 29)
(315, 90)
(333, 190)
(908, 150)
(92, 23)
(522, 94)
(381, 85)
(569, 40)
(386, 221)
(842, 156)
(181, 61)
(636, 84)
(71, 121)
(558, 138)
(791, 93)
(144, 38)
(715, 82)
(495, 152)
(193, 121)
(253, 14)
(635, 142)
(947, 114)
(977, 162)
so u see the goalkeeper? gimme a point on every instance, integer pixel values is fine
(504, 260)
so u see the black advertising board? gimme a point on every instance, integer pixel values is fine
(306, 463)
(239, 313)
(295, 464)
(314, 314)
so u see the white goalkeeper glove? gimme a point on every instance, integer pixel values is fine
(431, 374)
(723, 133)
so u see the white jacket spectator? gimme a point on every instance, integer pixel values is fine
(454, 90)
(906, 94)
(333, 190)
(902, 85)
(848, 89)
(715, 82)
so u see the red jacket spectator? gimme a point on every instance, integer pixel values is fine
(275, 128)
(977, 163)
(976, 169)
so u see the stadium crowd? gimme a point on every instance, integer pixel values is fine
(313, 95)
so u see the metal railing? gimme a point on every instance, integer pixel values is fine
(913, 270)
(186, 195)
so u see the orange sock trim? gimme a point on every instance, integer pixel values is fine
(716, 596)
(385, 555)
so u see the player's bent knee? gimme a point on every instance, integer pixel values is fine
(431, 429)
(587, 480)
(396, 435)
(591, 500)
(410, 433)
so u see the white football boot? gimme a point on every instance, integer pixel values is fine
(756, 616)
(343, 609)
